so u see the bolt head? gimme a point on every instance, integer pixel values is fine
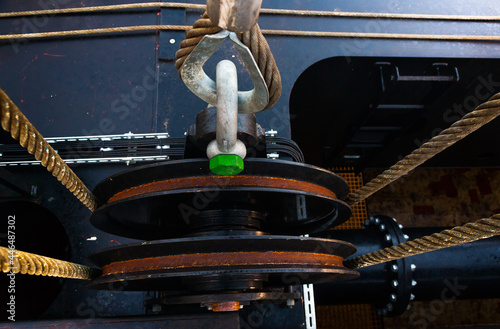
(413, 267)
(394, 283)
(382, 227)
(226, 164)
(393, 297)
(388, 238)
(156, 308)
(394, 268)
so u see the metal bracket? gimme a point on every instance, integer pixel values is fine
(309, 306)
(204, 87)
(389, 74)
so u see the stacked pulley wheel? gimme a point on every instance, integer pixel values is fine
(221, 239)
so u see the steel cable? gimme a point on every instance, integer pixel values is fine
(271, 11)
(84, 32)
(469, 123)
(14, 121)
(253, 39)
(481, 229)
(16, 261)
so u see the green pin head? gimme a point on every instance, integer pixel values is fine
(226, 164)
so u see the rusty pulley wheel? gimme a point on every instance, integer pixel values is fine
(160, 201)
(217, 263)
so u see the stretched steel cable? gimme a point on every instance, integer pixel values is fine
(107, 30)
(16, 261)
(481, 229)
(469, 123)
(314, 34)
(398, 36)
(290, 12)
(81, 10)
(253, 39)
(14, 121)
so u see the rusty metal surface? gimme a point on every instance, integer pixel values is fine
(158, 201)
(226, 182)
(226, 306)
(199, 167)
(169, 263)
(229, 259)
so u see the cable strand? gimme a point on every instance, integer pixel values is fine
(17, 261)
(14, 121)
(481, 229)
(268, 11)
(472, 121)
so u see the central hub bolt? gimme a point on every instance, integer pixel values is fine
(226, 164)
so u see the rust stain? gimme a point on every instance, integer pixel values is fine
(53, 55)
(225, 306)
(222, 182)
(224, 259)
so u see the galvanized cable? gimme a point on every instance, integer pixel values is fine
(469, 123)
(14, 121)
(481, 229)
(16, 261)
(253, 39)
(270, 11)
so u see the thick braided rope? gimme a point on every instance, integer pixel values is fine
(482, 229)
(253, 39)
(16, 261)
(469, 123)
(14, 121)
